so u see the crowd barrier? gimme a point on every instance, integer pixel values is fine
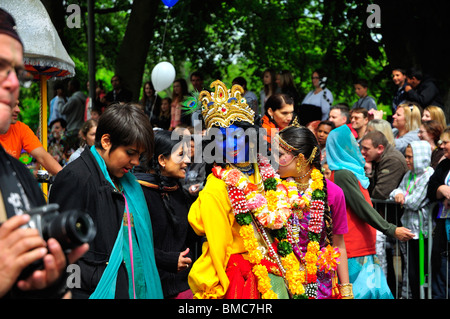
(392, 211)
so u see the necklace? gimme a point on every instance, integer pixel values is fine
(303, 186)
(304, 175)
(246, 168)
(268, 210)
(313, 258)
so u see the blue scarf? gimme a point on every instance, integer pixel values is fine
(106, 288)
(343, 152)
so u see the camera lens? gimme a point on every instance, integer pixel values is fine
(71, 229)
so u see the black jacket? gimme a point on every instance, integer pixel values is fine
(426, 93)
(438, 179)
(172, 233)
(29, 184)
(82, 185)
(36, 198)
(440, 242)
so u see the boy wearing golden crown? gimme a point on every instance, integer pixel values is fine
(242, 211)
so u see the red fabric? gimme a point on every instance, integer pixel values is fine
(243, 283)
(361, 237)
(355, 134)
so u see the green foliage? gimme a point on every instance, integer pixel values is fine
(279, 234)
(30, 105)
(284, 248)
(243, 218)
(224, 39)
(30, 109)
(270, 184)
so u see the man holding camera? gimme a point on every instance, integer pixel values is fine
(19, 247)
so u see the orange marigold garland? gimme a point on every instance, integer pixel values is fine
(272, 211)
(314, 259)
(269, 211)
(328, 258)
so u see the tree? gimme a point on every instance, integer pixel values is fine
(413, 35)
(243, 37)
(139, 32)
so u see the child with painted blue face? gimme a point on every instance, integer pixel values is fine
(235, 257)
(233, 145)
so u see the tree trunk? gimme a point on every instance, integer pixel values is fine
(134, 48)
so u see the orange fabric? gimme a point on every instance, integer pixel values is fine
(270, 128)
(361, 237)
(18, 137)
(243, 283)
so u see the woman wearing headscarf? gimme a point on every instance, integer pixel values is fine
(347, 171)
(411, 194)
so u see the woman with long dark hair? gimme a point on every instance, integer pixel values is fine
(285, 82)
(431, 132)
(150, 101)
(173, 237)
(270, 87)
(318, 216)
(316, 104)
(87, 138)
(179, 94)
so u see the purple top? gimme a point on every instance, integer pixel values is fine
(336, 200)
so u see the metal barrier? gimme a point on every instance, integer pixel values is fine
(424, 276)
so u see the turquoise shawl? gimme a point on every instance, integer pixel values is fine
(106, 288)
(342, 152)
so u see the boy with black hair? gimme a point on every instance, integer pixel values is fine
(365, 101)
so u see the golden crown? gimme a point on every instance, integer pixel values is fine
(225, 106)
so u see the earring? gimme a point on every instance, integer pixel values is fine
(301, 163)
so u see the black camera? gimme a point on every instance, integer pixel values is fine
(43, 176)
(71, 229)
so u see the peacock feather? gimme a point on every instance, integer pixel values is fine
(191, 103)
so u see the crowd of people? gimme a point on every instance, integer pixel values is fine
(283, 211)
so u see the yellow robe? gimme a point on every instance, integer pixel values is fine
(211, 215)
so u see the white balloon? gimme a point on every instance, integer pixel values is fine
(163, 75)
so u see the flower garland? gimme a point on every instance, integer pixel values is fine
(265, 212)
(314, 259)
(271, 209)
(273, 212)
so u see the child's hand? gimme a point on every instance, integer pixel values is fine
(400, 198)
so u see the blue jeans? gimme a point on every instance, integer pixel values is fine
(440, 279)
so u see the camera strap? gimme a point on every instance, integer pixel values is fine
(14, 197)
(130, 241)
